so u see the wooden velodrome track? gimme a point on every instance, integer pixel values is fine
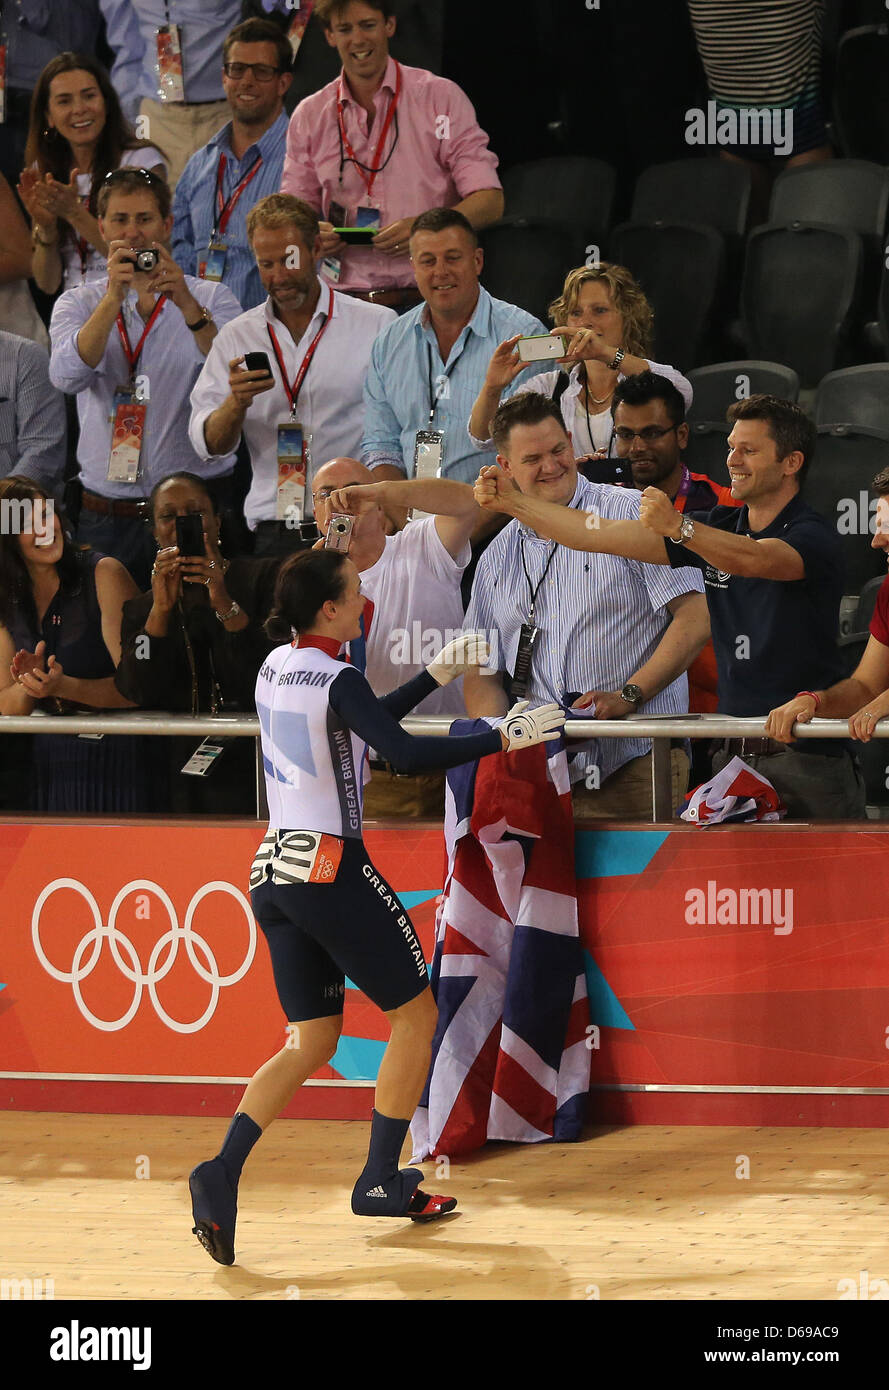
(639, 1212)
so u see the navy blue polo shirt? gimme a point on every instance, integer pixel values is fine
(772, 637)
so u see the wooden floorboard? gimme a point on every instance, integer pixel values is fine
(640, 1212)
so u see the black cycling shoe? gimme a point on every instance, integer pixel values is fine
(392, 1198)
(214, 1206)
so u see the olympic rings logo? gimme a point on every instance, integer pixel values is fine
(133, 971)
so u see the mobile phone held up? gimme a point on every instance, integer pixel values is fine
(257, 362)
(190, 534)
(541, 347)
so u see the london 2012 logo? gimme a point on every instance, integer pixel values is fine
(159, 965)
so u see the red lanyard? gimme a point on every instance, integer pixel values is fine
(224, 209)
(375, 166)
(131, 356)
(293, 391)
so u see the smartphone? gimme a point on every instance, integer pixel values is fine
(541, 347)
(339, 532)
(336, 213)
(356, 236)
(257, 362)
(190, 534)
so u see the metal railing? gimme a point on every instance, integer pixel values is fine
(660, 728)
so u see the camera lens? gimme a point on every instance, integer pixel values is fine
(146, 260)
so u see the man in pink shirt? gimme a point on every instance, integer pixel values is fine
(380, 145)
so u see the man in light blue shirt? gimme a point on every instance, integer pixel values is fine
(32, 416)
(237, 168)
(611, 639)
(178, 124)
(426, 367)
(149, 328)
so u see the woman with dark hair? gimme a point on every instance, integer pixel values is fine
(60, 612)
(326, 912)
(202, 623)
(77, 135)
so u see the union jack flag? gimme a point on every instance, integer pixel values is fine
(510, 1058)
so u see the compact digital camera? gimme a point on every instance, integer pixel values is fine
(146, 259)
(339, 532)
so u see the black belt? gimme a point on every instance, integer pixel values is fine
(308, 530)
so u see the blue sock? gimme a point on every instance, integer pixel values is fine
(386, 1139)
(242, 1135)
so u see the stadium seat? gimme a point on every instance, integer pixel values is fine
(717, 386)
(710, 192)
(526, 263)
(783, 318)
(855, 396)
(861, 111)
(680, 268)
(570, 191)
(851, 193)
(838, 485)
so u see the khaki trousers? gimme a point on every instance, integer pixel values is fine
(421, 797)
(180, 130)
(626, 795)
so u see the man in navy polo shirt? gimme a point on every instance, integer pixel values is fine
(773, 579)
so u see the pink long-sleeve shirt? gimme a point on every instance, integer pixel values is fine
(439, 155)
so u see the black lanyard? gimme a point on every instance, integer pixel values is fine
(534, 592)
(435, 396)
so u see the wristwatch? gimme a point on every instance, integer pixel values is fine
(616, 360)
(686, 531)
(232, 613)
(632, 694)
(201, 323)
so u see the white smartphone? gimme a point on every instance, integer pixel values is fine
(541, 347)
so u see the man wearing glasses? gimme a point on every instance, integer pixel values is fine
(239, 166)
(130, 347)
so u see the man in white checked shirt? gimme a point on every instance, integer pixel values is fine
(610, 639)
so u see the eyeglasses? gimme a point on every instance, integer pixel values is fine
(169, 518)
(650, 435)
(119, 175)
(263, 72)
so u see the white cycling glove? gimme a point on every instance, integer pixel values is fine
(540, 725)
(466, 651)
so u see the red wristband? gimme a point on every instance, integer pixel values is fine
(816, 698)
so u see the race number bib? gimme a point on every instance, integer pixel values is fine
(297, 856)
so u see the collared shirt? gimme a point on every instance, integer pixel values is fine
(82, 264)
(195, 206)
(773, 637)
(203, 26)
(398, 388)
(585, 437)
(439, 155)
(37, 31)
(170, 362)
(32, 415)
(330, 402)
(600, 618)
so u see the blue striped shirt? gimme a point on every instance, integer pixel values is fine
(600, 618)
(195, 206)
(33, 423)
(131, 26)
(406, 376)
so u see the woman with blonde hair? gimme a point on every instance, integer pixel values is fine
(607, 325)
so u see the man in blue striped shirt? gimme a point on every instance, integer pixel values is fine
(611, 638)
(426, 367)
(239, 166)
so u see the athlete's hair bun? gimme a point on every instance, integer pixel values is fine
(305, 582)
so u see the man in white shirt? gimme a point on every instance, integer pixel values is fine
(412, 580)
(318, 346)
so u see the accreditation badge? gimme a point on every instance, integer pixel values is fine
(299, 23)
(127, 431)
(212, 266)
(168, 64)
(293, 460)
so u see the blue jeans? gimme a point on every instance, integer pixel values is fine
(126, 538)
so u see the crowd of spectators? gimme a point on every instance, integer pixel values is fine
(261, 319)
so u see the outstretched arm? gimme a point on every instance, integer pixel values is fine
(578, 530)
